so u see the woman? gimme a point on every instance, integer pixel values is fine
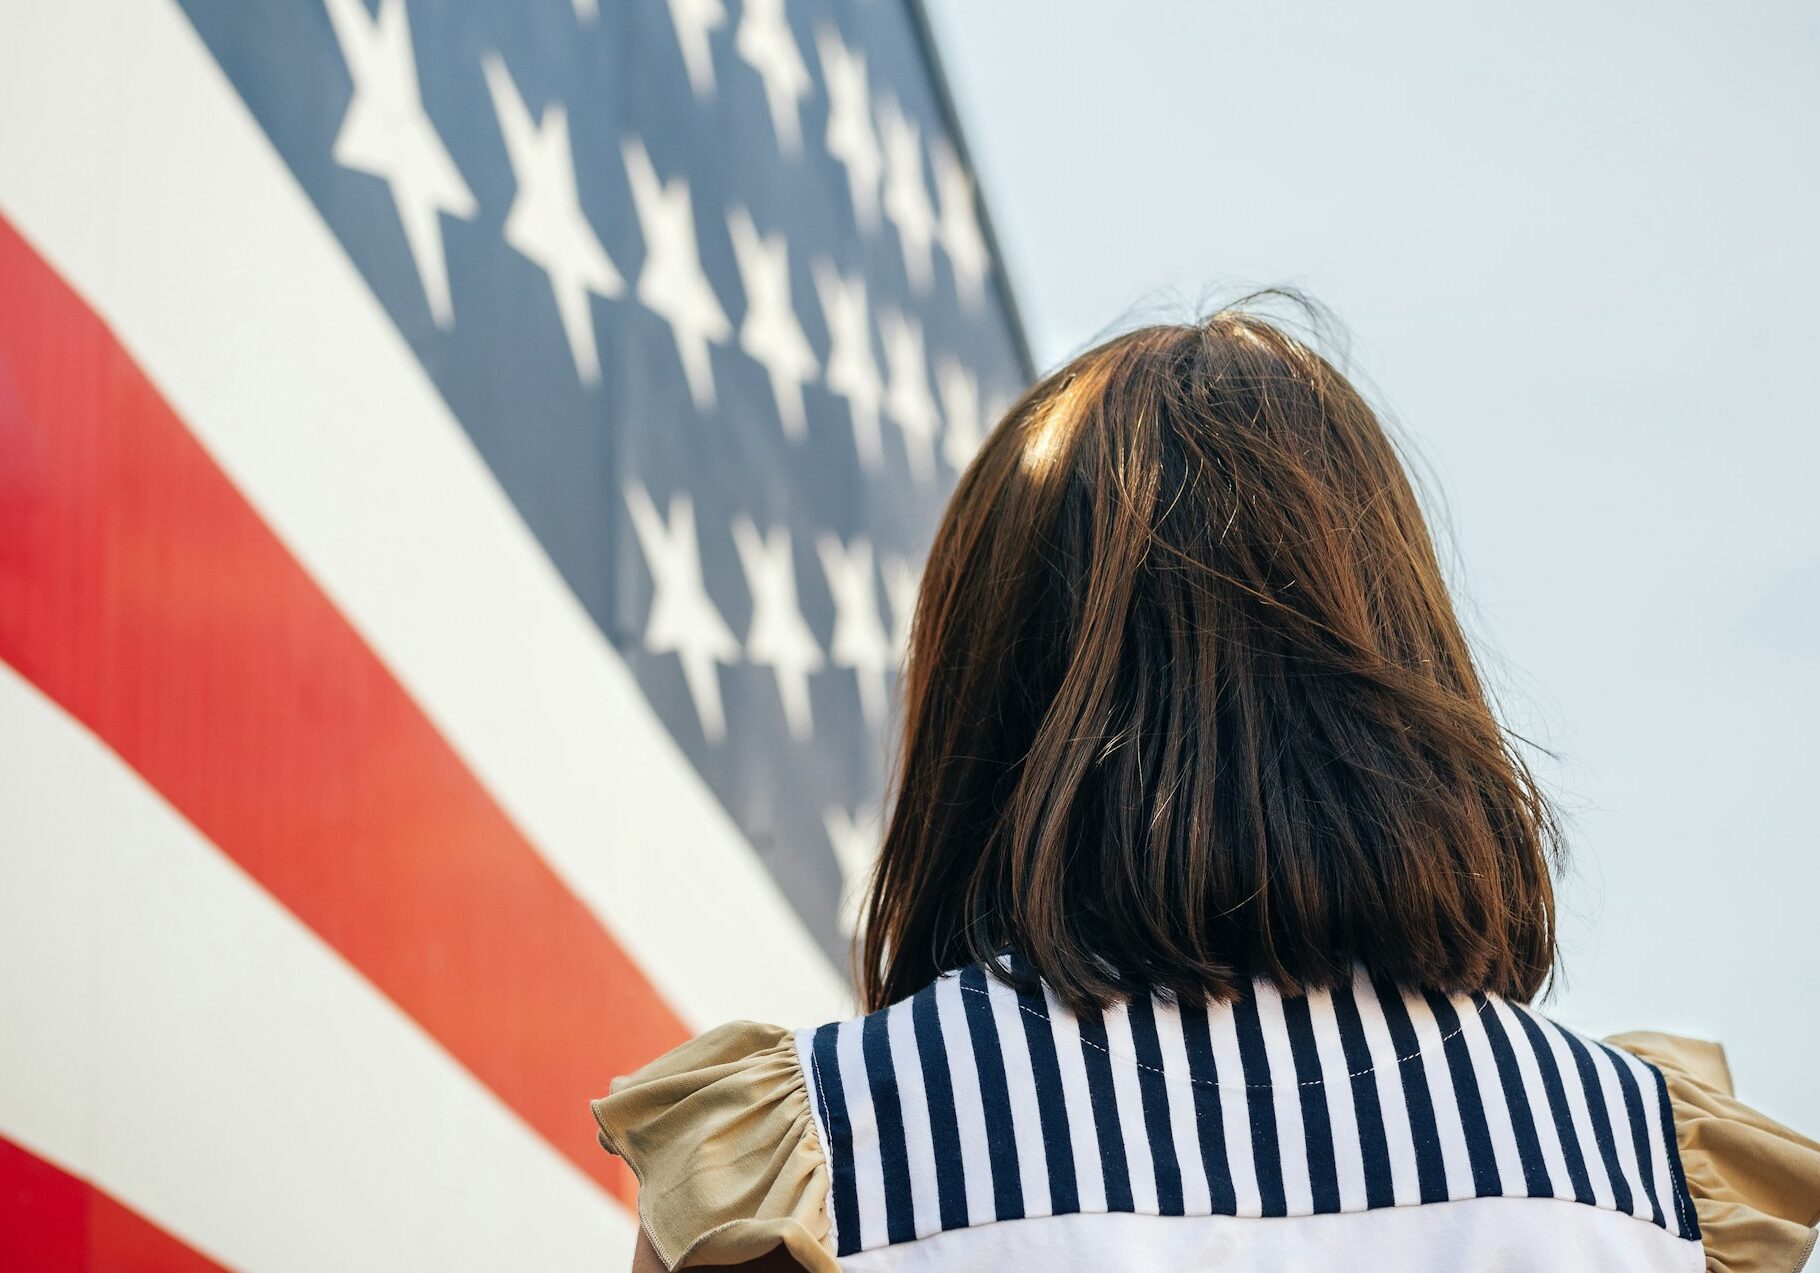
(1210, 906)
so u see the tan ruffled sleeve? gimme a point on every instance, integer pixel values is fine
(720, 1135)
(1755, 1183)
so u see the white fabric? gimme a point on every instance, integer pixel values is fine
(1480, 1235)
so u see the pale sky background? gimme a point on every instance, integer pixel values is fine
(1575, 247)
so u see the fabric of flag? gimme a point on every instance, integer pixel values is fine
(464, 470)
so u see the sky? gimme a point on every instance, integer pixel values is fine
(1574, 251)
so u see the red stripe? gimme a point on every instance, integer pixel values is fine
(51, 1222)
(140, 591)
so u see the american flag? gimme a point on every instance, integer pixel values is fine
(464, 469)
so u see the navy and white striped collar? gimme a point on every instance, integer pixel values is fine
(971, 1102)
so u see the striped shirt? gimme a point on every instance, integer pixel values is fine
(971, 1103)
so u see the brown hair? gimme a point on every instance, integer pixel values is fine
(1186, 702)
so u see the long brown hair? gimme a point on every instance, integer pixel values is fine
(1187, 703)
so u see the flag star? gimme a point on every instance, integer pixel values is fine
(683, 620)
(546, 223)
(860, 641)
(959, 225)
(908, 400)
(765, 42)
(855, 840)
(387, 134)
(960, 391)
(850, 136)
(906, 196)
(780, 637)
(694, 20)
(852, 372)
(902, 579)
(770, 332)
(672, 284)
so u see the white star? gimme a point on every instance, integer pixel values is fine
(587, 10)
(683, 618)
(960, 391)
(765, 42)
(908, 400)
(546, 222)
(779, 636)
(859, 634)
(959, 228)
(855, 840)
(672, 284)
(850, 137)
(388, 134)
(906, 197)
(901, 582)
(694, 19)
(770, 332)
(852, 372)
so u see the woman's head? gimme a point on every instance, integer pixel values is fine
(1187, 703)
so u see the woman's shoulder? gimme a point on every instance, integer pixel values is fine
(755, 1136)
(1755, 1183)
(721, 1136)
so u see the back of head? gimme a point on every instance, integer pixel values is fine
(1187, 702)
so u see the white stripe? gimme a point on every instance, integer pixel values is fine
(868, 1166)
(1235, 1110)
(1089, 1174)
(919, 1139)
(1505, 1235)
(321, 415)
(1555, 1158)
(1286, 1091)
(181, 1041)
(1405, 1178)
(1498, 1115)
(1130, 1099)
(969, 1109)
(1578, 1108)
(1652, 1119)
(1454, 1158)
(1020, 1080)
(1336, 1081)
(1619, 1114)
(1184, 1128)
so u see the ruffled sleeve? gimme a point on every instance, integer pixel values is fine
(720, 1135)
(1755, 1183)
